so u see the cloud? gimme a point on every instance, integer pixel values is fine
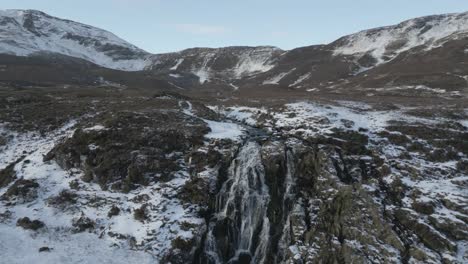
(198, 29)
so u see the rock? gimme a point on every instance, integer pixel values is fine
(455, 229)
(113, 211)
(181, 251)
(140, 214)
(45, 249)
(82, 224)
(195, 191)
(26, 223)
(75, 185)
(132, 149)
(7, 175)
(64, 200)
(426, 208)
(22, 190)
(430, 237)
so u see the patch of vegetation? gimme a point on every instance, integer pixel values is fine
(113, 211)
(63, 200)
(26, 223)
(83, 223)
(24, 189)
(141, 213)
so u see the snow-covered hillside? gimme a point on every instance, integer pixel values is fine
(223, 63)
(27, 32)
(386, 43)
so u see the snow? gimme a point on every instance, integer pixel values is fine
(153, 237)
(203, 72)
(50, 37)
(95, 128)
(205, 62)
(203, 75)
(325, 118)
(224, 130)
(301, 79)
(276, 79)
(413, 87)
(235, 87)
(219, 130)
(244, 114)
(175, 75)
(20, 246)
(412, 33)
(254, 61)
(179, 61)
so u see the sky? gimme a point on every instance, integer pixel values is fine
(160, 26)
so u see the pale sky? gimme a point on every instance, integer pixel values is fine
(171, 25)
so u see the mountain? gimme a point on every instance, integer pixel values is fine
(229, 63)
(29, 32)
(418, 51)
(385, 43)
(427, 52)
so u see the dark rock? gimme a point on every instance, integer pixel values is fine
(424, 207)
(26, 223)
(430, 237)
(195, 191)
(45, 249)
(132, 150)
(454, 229)
(181, 251)
(140, 214)
(7, 175)
(75, 185)
(82, 224)
(63, 200)
(22, 190)
(113, 211)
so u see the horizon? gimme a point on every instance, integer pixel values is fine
(219, 32)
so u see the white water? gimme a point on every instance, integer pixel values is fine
(243, 200)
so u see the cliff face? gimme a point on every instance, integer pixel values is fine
(343, 197)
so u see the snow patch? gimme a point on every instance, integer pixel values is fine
(301, 79)
(276, 79)
(179, 61)
(224, 130)
(390, 41)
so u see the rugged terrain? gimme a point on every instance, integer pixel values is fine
(350, 152)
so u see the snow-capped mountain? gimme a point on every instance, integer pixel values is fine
(224, 63)
(386, 43)
(28, 32)
(374, 58)
(419, 51)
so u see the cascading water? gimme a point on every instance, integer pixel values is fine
(239, 230)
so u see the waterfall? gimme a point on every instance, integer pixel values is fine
(239, 230)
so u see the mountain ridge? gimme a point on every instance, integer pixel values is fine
(355, 59)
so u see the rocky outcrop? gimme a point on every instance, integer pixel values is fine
(128, 150)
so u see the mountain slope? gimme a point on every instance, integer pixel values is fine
(428, 51)
(218, 65)
(27, 32)
(385, 43)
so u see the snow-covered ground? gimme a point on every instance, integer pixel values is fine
(117, 239)
(219, 130)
